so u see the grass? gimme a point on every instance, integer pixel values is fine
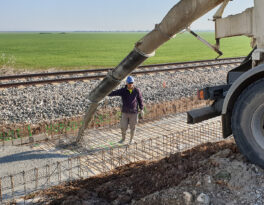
(91, 50)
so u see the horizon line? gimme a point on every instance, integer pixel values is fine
(63, 31)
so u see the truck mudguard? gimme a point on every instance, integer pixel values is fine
(235, 90)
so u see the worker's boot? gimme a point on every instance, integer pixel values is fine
(123, 137)
(132, 133)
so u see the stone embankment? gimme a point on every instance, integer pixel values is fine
(51, 102)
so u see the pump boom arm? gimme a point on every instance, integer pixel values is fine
(178, 18)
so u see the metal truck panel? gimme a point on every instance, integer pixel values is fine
(258, 28)
(235, 25)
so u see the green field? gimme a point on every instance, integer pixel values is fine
(93, 50)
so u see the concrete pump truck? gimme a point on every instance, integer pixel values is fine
(240, 101)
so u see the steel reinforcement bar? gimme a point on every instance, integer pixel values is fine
(14, 187)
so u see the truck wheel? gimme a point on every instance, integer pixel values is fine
(248, 122)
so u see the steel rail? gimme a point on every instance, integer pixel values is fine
(35, 75)
(175, 69)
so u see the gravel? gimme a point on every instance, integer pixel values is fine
(48, 102)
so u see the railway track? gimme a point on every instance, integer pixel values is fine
(66, 76)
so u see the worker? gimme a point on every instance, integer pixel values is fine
(131, 100)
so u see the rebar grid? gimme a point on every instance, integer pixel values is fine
(104, 160)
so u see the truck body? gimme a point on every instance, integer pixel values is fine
(240, 101)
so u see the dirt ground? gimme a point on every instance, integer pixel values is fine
(212, 173)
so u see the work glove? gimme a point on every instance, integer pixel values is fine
(141, 114)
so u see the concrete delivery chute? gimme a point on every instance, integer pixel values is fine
(240, 101)
(177, 19)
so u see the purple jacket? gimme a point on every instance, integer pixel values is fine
(130, 101)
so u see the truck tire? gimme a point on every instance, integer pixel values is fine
(248, 122)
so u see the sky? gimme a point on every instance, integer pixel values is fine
(96, 15)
